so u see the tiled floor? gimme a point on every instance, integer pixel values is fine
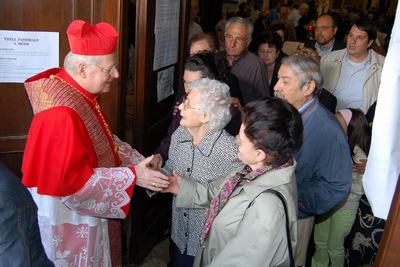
(158, 257)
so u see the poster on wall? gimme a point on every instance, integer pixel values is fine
(166, 33)
(165, 83)
(26, 53)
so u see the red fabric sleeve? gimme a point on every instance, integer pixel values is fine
(59, 156)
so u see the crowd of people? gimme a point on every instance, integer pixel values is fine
(265, 151)
(332, 80)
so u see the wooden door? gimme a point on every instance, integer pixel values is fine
(389, 247)
(55, 16)
(150, 118)
(149, 217)
(148, 121)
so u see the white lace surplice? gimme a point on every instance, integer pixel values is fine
(127, 154)
(74, 229)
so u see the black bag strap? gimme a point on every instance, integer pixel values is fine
(282, 198)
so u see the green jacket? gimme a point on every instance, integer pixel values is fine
(243, 235)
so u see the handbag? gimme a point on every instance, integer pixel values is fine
(282, 198)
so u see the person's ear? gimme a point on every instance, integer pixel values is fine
(309, 87)
(205, 118)
(82, 69)
(261, 156)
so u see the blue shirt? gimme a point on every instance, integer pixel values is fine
(324, 49)
(308, 103)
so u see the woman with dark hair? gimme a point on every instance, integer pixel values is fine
(247, 223)
(213, 66)
(358, 131)
(269, 49)
(362, 242)
(203, 42)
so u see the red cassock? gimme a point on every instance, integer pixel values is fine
(77, 172)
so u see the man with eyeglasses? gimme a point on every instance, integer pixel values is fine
(78, 173)
(325, 30)
(353, 74)
(247, 67)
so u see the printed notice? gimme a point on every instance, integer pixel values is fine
(166, 33)
(165, 83)
(26, 53)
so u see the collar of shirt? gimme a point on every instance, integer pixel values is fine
(306, 105)
(239, 57)
(323, 49)
(363, 64)
(206, 145)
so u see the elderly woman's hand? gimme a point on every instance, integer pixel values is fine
(174, 184)
(148, 178)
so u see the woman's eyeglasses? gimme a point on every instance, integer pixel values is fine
(186, 104)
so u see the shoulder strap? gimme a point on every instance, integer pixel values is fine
(282, 198)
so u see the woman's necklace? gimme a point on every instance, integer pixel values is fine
(97, 107)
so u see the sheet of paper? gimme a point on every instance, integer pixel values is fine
(165, 83)
(166, 31)
(289, 47)
(26, 53)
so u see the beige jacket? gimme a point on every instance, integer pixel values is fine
(331, 65)
(243, 235)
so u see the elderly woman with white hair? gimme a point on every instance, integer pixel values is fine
(201, 150)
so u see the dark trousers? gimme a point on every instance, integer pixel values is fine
(178, 259)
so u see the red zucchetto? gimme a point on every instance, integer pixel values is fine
(91, 40)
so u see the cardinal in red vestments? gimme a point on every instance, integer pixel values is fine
(79, 174)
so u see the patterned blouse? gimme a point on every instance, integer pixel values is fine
(214, 157)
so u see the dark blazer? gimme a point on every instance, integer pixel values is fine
(20, 242)
(327, 99)
(337, 45)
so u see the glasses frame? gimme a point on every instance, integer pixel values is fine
(323, 27)
(186, 104)
(107, 71)
(239, 40)
(269, 51)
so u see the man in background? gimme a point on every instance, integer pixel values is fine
(353, 74)
(324, 34)
(247, 67)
